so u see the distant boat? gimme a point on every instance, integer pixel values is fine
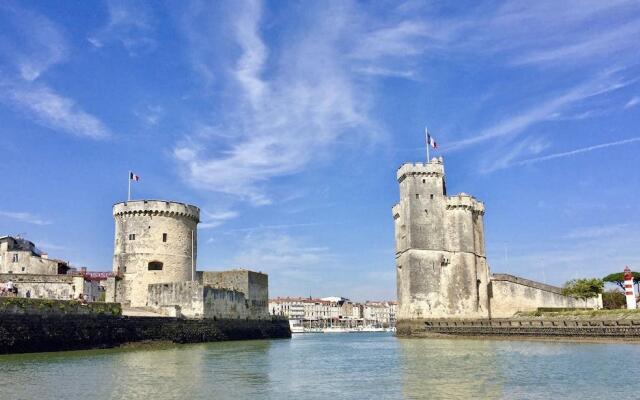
(372, 329)
(296, 328)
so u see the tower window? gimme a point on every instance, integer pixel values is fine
(424, 181)
(417, 196)
(15, 258)
(164, 237)
(132, 236)
(432, 197)
(155, 266)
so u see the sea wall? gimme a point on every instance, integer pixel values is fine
(26, 333)
(542, 328)
(510, 294)
(43, 307)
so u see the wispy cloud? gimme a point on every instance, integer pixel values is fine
(528, 146)
(53, 110)
(272, 227)
(131, 24)
(634, 101)
(32, 45)
(212, 220)
(597, 252)
(270, 251)
(577, 151)
(24, 217)
(594, 232)
(281, 123)
(545, 111)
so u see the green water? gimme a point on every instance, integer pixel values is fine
(331, 366)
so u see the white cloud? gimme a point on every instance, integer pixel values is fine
(544, 111)
(270, 251)
(281, 123)
(131, 24)
(577, 151)
(213, 220)
(598, 252)
(505, 159)
(634, 101)
(24, 217)
(53, 110)
(595, 232)
(32, 43)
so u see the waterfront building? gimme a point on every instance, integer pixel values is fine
(21, 256)
(34, 274)
(335, 311)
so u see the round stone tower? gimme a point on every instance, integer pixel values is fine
(155, 242)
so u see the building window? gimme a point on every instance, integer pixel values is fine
(164, 237)
(155, 266)
(132, 236)
(432, 197)
(15, 258)
(417, 196)
(424, 181)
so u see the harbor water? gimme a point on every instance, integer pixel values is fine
(331, 366)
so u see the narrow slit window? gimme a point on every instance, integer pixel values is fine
(164, 237)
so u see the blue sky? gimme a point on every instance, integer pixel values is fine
(285, 123)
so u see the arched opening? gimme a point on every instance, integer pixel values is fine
(155, 266)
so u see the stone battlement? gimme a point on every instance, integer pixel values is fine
(465, 202)
(156, 207)
(526, 282)
(434, 168)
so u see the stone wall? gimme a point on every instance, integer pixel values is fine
(60, 287)
(254, 286)
(195, 300)
(43, 307)
(510, 294)
(623, 329)
(33, 333)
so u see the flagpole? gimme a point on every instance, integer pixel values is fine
(426, 137)
(129, 191)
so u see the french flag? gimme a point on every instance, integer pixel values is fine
(430, 140)
(133, 177)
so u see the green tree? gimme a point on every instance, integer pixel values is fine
(613, 299)
(583, 288)
(618, 279)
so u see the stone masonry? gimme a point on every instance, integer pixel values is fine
(441, 265)
(440, 258)
(155, 242)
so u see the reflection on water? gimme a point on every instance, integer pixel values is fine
(450, 369)
(330, 366)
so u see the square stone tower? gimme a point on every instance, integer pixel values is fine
(440, 254)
